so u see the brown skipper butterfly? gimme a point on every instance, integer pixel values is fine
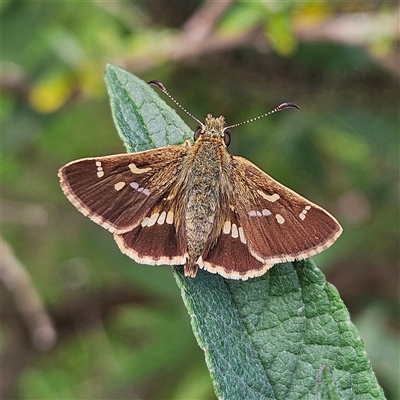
(199, 206)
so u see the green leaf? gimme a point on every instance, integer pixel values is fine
(143, 119)
(285, 335)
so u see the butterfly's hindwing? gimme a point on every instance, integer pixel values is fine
(279, 224)
(118, 191)
(154, 240)
(230, 256)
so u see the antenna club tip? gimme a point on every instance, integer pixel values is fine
(287, 105)
(158, 84)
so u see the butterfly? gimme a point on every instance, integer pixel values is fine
(197, 205)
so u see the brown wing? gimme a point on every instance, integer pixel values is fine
(154, 240)
(279, 224)
(118, 191)
(231, 256)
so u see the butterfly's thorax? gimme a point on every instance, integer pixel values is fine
(206, 193)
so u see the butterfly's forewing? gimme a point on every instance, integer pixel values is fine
(117, 192)
(279, 224)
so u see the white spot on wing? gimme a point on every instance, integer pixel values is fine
(134, 185)
(100, 172)
(255, 213)
(302, 215)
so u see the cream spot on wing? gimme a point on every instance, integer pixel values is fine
(307, 207)
(302, 216)
(253, 213)
(136, 170)
(227, 227)
(235, 232)
(145, 221)
(153, 219)
(118, 186)
(170, 218)
(100, 173)
(271, 198)
(98, 163)
(241, 235)
(161, 218)
(266, 212)
(280, 219)
(146, 192)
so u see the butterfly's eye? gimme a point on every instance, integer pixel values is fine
(227, 138)
(197, 133)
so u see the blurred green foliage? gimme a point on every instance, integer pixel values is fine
(123, 331)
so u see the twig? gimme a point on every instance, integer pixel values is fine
(27, 301)
(199, 36)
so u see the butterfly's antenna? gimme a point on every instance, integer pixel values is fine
(279, 108)
(164, 90)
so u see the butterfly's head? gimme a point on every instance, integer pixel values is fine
(214, 127)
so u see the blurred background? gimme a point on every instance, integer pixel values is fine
(82, 321)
